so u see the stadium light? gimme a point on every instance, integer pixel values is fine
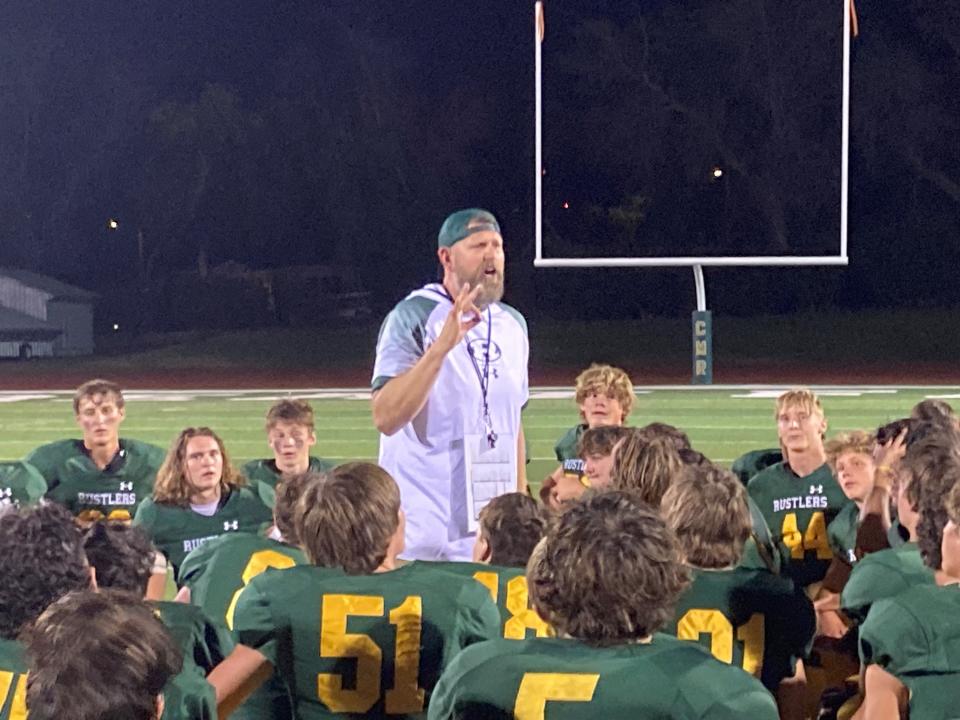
(112, 224)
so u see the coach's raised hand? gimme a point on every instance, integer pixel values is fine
(463, 317)
(403, 397)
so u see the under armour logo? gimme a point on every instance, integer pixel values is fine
(816, 489)
(234, 525)
(126, 486)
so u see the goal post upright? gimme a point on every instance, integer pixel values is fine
(702, 325)
(538, 28)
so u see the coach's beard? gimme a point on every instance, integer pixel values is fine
(491, 288)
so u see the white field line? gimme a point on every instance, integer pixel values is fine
(548, 392)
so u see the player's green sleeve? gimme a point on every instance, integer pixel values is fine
(478, 618)
(755, 704)
(760, 551)
(445, 699)
(253, 621)
(842, 532)
(566, 447)
(213, 646)
(884, 574)
(891, 639)
(146, 516)
(47, 458)
(20, 484)
(189, 697)
(753, 462)
(193, 565)
(859, 593)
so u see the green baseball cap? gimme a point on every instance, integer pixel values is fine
(464, 223)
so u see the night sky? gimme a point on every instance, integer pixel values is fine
(341, 133)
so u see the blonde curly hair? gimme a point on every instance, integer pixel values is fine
(857, 441)
(606, 380)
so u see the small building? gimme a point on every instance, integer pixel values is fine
(42, 317)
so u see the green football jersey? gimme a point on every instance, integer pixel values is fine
(564, 679)
(13, 680)
(897, 534)
(266, 471)
(177, 530)
(87, 491)
(188, 695)
(366, 644)
(883, 574)
(752, 619)
(760, 551)
(21, 484)
(566, 447)
(915, 636)
(842, 532)
(216, 572)
(508, 589)
(264, 475)
(755, 461)
(797, 511)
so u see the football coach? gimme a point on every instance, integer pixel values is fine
(449, 382)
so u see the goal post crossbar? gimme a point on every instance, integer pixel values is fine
(758, 261)
(840, 259)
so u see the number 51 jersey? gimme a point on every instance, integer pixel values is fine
(366, 644)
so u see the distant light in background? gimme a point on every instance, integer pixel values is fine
(566, 206)
(717, 171)
(112, 224)
(543, 172)
(116, 327)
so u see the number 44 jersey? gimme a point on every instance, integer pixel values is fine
(798, 510)
(372, 645)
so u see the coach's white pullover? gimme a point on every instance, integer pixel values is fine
(426, 456)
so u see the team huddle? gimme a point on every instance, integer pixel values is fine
(817, 579)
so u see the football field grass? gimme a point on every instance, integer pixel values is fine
(722, 421)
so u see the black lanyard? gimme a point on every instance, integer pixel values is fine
(484, 378)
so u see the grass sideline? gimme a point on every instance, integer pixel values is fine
(722, 422)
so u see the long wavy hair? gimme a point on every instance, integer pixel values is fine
(172, 486)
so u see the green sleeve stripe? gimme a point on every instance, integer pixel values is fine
(379, 382)
(516, 316)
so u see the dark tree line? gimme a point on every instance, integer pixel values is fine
(333, 133)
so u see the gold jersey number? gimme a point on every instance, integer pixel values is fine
(537, 689)
(18, 685)
(405, 697)
(714, 623)
(522, 616)
(257, 564)
(814, 538)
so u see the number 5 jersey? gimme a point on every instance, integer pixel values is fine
(568, 679)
